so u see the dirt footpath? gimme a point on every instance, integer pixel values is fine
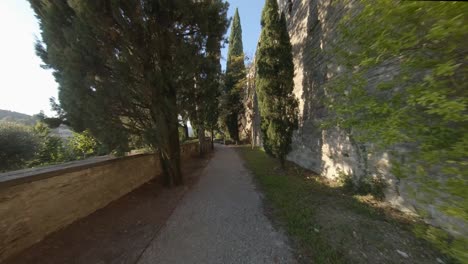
(220, 221)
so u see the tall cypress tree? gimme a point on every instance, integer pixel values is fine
(212, 87)
(121, 66)
(201, 100)
(274, 81)
(235, 73)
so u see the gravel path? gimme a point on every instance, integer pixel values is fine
(220, 220)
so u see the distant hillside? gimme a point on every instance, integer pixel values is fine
(10, 116)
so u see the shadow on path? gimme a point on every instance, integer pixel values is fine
(117, 233)
(221, 220)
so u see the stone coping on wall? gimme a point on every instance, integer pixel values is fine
(9, 179)
(12, 178)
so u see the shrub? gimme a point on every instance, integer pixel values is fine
(83, 144)
(374, 186)
(18, 145)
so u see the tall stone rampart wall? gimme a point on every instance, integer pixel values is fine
(312, 27)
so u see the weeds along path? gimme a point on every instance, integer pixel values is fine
(328, 225)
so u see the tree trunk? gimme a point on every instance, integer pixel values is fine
(233, 127)
(164, 113)
(164, 107)
(212, 139)
(252, 143)
(186, 131)
(201, 140)
(169, 151)
(282, 162)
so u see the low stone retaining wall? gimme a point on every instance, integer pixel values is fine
(37, 202)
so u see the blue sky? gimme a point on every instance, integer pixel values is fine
(26, 88)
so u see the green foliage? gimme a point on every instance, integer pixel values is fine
(212, 93)
(51, 122)
(422, 103)
(288, 194)
(456, 248)
(15, 117)
(50, 148)
(121, 67)
(25, 147)
(236, 47)
(294, 200)
(364, 185)
(200, 103)
(235, 73)
(182, 134)
(17, 145)
(274, 82)
(84, 144)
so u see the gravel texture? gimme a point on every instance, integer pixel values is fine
(220, 220)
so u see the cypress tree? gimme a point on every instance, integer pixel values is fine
(121, 66)
(235, 73)
(274, 81)
(200, 102)
(212, 87)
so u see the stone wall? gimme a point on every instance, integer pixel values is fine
(250, 121)
(37, 202)
(312, 27)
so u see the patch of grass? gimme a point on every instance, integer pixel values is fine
(290, 198)
(456, 248)
(374, 186)
(190, 141)
(295, 194)
(359, 207)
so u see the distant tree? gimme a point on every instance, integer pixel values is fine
(274, 82)
(17, 146)
(10, 116)
(212, 85)
(121, 66)
(51, 122)
(223, 110)
(200, 103)
(55, 106)
(235, 72)
(49, 149)
(83, 144)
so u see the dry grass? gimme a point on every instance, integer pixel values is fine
(330, 225)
